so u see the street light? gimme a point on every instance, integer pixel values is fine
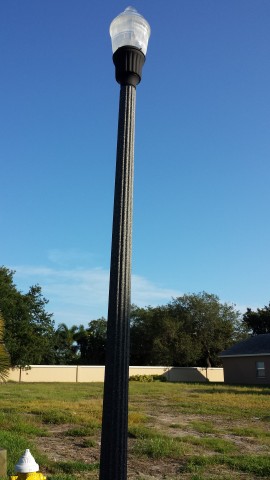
(130, 34)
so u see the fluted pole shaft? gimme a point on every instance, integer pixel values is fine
(113, 460)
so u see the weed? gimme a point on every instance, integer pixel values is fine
(250, 432)
(212, 443)
(16, 422)
(79, 432)
(160, 447)
(61, 476)
(73, 467)
(203, 427)
(258, 465)
(136, 418)
(55, 417)
(175, 425)
(255, 464)
(88, 443)
(140, 431)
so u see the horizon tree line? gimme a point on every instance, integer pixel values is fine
(190, 330)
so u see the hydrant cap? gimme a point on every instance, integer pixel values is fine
(27, 463)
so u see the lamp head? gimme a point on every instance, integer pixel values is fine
(130, 29)
(130, 33)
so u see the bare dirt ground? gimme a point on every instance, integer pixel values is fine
(59, 447)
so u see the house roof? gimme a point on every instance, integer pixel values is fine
(257, 345)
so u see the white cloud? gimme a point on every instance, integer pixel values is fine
(66, 257)
(145, 292)
(78, 295)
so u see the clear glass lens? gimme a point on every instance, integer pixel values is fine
(130, 28)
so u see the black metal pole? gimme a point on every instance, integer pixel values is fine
(113, 459)
(115, 403)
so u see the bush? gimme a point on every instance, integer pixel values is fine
(147, 378)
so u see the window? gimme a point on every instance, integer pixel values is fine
(260, 369)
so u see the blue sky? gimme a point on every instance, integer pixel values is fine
(202, 151)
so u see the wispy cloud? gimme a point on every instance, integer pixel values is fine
(65, 258)
(78, 295)
(145, 292)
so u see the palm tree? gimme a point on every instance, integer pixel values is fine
(4, 356)
(65, 344)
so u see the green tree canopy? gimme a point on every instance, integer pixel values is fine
(213, 325)
(66, 348)
(258, 322)
(4, 357)
(91, 342)
(189, 331)
(29, 329)
(155, 336)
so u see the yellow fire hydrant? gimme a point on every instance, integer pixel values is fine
(27, 468)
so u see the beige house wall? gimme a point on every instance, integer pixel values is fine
(79, 373)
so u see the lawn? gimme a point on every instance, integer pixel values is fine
(176, 431)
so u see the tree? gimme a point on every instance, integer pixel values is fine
(81, 338)
(29, 329)
(257, 322)
(65, 345)
(189, 331)
(154, 336)
(97, 334)
(4, 357)
(212, 325)
(91, 342)
(41, 326)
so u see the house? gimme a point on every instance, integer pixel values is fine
(248, 362)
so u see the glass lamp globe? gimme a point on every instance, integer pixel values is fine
(130, 29)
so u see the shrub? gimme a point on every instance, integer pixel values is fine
(147, 378)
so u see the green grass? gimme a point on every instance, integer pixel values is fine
(62, 476)
(73, 467)
(203, 427)
(254, 464)
(161, 447)
(212, 444)
(88, 442)
(250, 432)
(16, 444)
(80, 432)
(141, 431)
(209, 432)
(53, 416)
(19, 423)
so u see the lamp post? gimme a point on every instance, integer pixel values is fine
(130, 34)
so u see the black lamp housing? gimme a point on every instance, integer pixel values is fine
(128, 63)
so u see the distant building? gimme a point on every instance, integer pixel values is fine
(248, 362)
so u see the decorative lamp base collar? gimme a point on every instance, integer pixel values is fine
(128, 63)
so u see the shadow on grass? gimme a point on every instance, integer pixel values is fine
(236, 390)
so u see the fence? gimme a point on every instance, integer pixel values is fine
(89, 373)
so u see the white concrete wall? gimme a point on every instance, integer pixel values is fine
(81, 373)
